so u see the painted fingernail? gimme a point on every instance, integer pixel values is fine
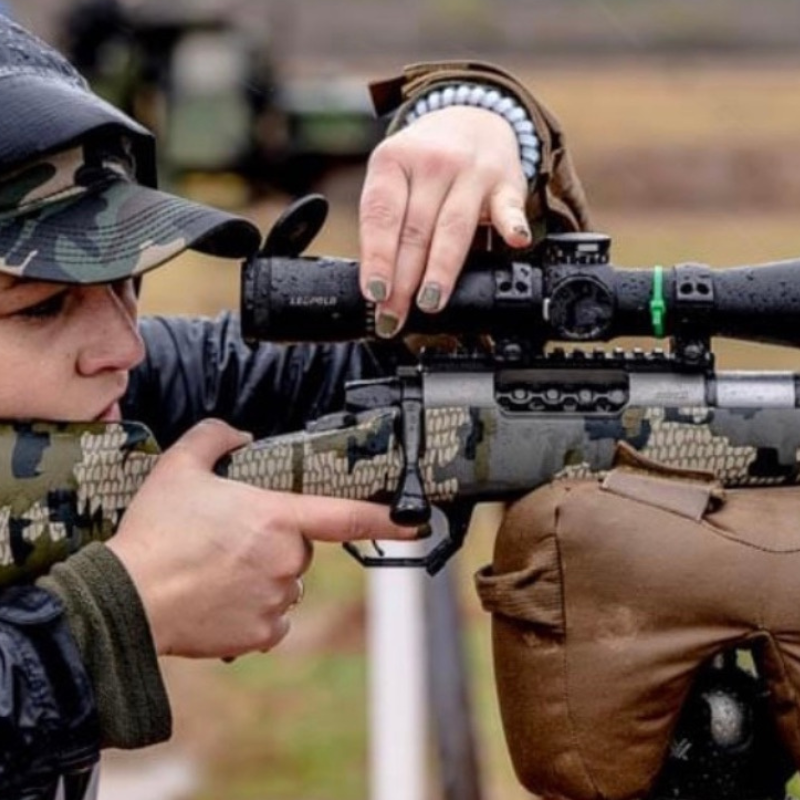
(430, 297)
(424, 531)
(522, 230)
(386, 324)
(377, 290)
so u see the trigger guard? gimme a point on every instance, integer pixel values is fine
(436, 558)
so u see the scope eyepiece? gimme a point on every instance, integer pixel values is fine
(285, 299)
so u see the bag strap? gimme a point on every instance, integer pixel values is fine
(689, 493)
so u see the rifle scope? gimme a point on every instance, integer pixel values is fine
(570, 293)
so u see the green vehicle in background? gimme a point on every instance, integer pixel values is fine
(209, 87)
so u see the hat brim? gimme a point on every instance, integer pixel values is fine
(116, 231)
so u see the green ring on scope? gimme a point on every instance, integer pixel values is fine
(658, 305)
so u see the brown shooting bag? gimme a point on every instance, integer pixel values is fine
(608, 595)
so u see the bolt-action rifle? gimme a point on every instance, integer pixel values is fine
(497, 417)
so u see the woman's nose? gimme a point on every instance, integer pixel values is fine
(112, 336)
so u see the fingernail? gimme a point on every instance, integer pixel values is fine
(386, 324)
(430, 297)
(424, 531)
(377, 290)
(522, 230)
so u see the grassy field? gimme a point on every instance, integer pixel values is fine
(291, 726)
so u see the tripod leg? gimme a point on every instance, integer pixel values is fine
(725, 746)
(449, 697)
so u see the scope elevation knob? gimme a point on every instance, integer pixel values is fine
(583, 248)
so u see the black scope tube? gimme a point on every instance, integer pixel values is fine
(758, 303)
(318, 299)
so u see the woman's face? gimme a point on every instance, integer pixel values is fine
(66, 350)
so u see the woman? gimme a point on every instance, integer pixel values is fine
(201, 566)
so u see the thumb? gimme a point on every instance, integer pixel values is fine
(208, 441)
(507, 211)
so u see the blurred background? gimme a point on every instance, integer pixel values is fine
(684, 122)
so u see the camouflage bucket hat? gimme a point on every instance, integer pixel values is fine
(78, 216)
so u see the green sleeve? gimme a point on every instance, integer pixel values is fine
(110, 627)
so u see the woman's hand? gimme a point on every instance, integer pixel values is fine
(216, 562)
(427, 188)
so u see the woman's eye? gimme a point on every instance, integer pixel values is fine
(51, 307)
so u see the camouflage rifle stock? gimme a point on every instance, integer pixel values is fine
(72, 482)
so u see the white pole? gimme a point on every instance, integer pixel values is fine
(397, 713)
